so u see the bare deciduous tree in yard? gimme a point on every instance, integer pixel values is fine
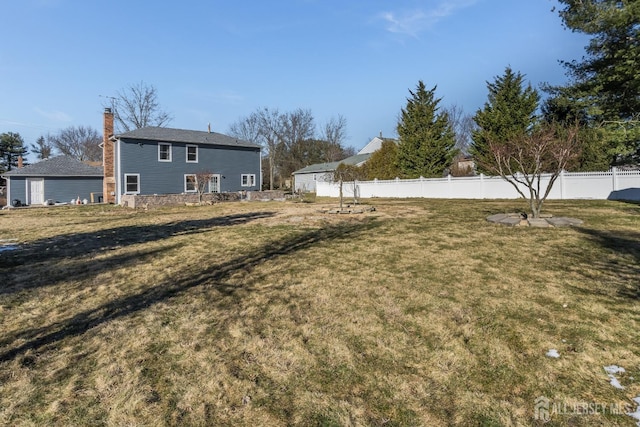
(137, 107)
(82, 143)
(522, 160)
(463, 127)
(203, 178)
(262, 127)
(290, 141)
(348, 173)
(335, 133)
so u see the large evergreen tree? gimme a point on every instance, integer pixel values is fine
(509, 113)
(383, 163)
(11, 147)
(427, 140)
(605, 84)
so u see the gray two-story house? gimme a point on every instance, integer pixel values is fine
(157, 160)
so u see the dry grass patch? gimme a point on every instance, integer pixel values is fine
(420, 313)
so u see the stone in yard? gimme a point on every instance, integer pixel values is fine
(497, 217)
(510, 221)
(538, 222)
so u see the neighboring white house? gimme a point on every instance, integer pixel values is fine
(373, 145)
(305, 179)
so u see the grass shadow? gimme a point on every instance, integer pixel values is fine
(37, 338)
(80, 244)
(625, 268)
(79, 268)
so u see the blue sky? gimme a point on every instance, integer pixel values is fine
(217, 61)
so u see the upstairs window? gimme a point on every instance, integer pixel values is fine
(248, 180)
(164, 152)
(192, 154)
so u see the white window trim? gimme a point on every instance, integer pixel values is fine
(251, 180)
(187, 153)
(137, 175)
(170, 152)
(195, 183)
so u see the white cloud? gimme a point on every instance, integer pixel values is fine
(54, 116)
(412, 23)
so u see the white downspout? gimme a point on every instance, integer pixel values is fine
(117, 173)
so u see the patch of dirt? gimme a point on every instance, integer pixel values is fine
(313, 215)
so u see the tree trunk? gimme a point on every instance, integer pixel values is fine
(355, 192)
(270, 171)
(536, 207)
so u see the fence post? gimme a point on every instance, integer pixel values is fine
(614, 175)
(482, 196)
(562, 184)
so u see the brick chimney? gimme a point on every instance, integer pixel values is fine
(20, 162)
(109, 181)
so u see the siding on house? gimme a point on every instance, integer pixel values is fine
(306, 182)
(59, 179)
(58, 189)
(305, 179)
(138, 156)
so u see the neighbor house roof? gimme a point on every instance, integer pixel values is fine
(375, 144)
(332, 166)
(185, 136)
(57, 166)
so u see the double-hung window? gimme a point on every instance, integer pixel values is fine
(192, 154)
(132, 183)
(248, 180)
(190, 183)
(164, 152)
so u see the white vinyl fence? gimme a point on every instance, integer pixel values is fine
(614, 184)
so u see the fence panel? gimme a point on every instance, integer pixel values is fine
(613, 184)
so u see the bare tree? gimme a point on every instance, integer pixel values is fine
(42, 149)
(295, 127)
(203, 178)
(463, 127)
(262, 127)
(289, 140)
(248, 129)
(335, 133)
(348, 173)
(137, 107)
(82, 143)
(523, 160)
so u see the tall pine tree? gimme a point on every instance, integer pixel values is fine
(509, 113)
(11, 147)
(609, 72)
(605, 86)
(427, 140)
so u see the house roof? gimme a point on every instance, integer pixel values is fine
(57, 166)
(375, 144)
(332, 166)
(185, 136)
